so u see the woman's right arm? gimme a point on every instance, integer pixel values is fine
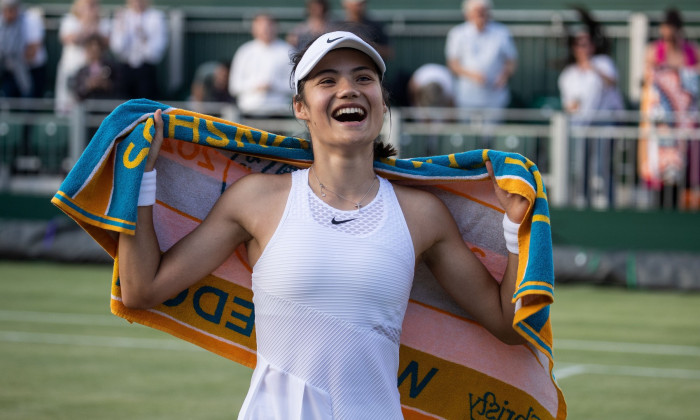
(148, 278)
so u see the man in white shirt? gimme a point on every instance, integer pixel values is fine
(37, 56)
(139, 39)
(482, 55)
(260, 70)
(22, 51)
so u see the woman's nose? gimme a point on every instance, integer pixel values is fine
(347, 88)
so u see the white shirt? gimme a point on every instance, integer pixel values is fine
(72, 59)
(587, 88)
(484, 52)
(34, 34)
(139, 38)
(255, 65)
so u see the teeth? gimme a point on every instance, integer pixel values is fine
(352, 110)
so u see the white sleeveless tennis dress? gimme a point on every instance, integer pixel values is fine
(330, 293)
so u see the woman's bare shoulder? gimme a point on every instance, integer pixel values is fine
(266, 182)
(259, 189)
(416, 199)
(426, 215)
(255, 200)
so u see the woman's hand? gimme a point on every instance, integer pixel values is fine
(156, 143)
(515, 205)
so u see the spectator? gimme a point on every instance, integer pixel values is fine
(317, 22)
(139, 39)
(588, 83)
(81, 23)
(673, 50)
(22, 51)
(99, 77)
(588, 86)
(37, 56)
(357, 21)
(482, 55)
(431, 85)
(210, 84)
(668, 163)
(260, 70)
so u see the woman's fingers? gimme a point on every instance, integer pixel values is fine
(500, 192)
(156, 142)
(515, 205)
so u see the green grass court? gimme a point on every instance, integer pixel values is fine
(620, 354)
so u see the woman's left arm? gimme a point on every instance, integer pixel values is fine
(463, 276)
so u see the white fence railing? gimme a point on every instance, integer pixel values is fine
(593, 166)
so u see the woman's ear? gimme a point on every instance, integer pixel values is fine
(300, 110)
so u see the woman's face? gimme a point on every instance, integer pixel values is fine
(343, 103)
(669, 33)
(583, 47)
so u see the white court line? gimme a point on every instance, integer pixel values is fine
(97, 341)
(638, 371)
(559, 344)
(567, 371)
(621, 347)
(62, 318)
(561, 372)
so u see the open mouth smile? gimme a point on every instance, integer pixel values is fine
(349, 114)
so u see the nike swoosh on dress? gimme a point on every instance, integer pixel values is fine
(337, 222)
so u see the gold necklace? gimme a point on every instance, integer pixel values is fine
(357, 204)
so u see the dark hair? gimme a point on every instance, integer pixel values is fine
(324, 5)
(673, 18)
(381, 149)
(600, 42)
(98, 39)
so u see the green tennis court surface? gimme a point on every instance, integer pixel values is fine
(620, 354)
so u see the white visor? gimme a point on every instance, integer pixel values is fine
(329, 42)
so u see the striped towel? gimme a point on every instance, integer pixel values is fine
(450, 367)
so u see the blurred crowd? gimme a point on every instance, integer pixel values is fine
(117, 58)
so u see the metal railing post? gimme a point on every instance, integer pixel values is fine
(559, 158)
(176, 26)
(76, 138)
(638, 24)
(392, 131)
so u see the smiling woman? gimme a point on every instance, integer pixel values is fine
(315, 65)
(333, 250)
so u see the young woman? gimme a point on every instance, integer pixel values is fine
(670, 164)
(333, 249)
(673, 50)
(589, 88)
(83, 22)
